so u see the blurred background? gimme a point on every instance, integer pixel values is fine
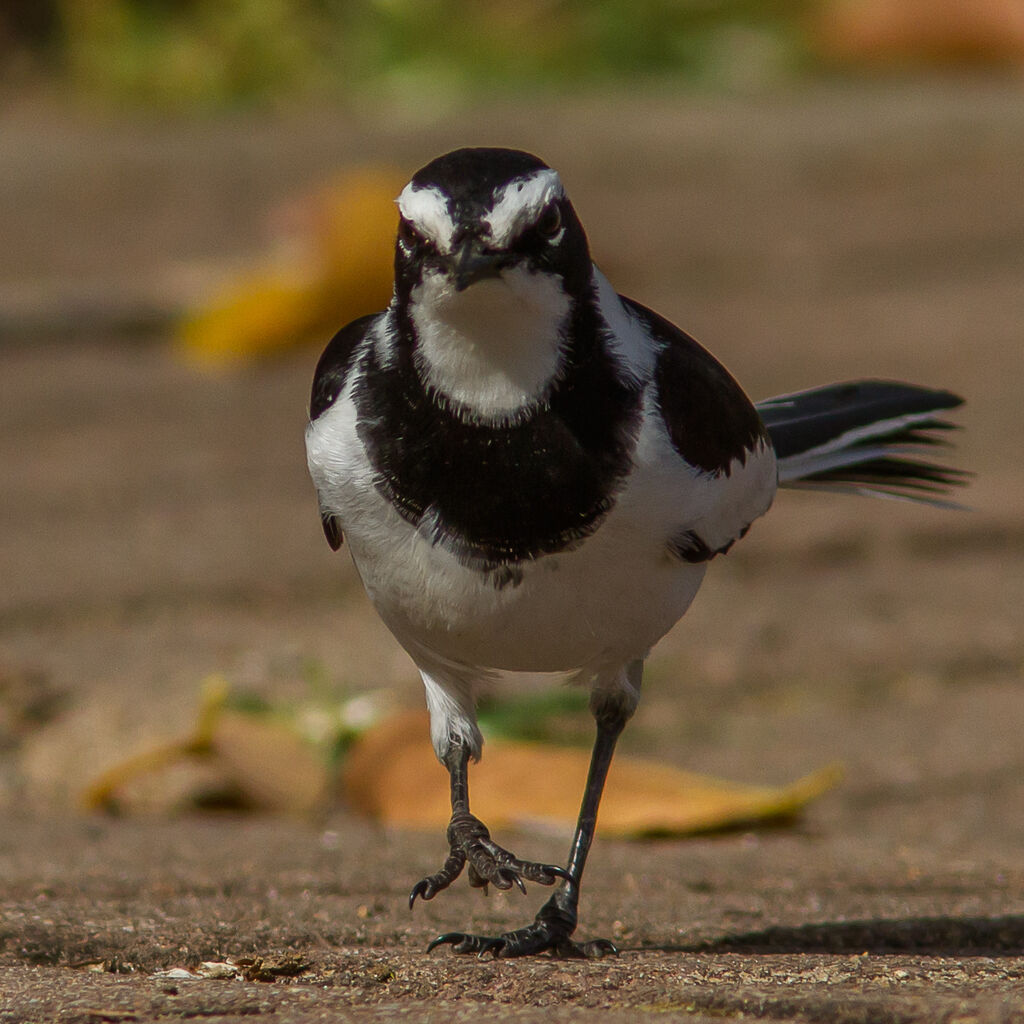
(194, 54)
(194, 194)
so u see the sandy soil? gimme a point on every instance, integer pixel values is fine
(157, 526)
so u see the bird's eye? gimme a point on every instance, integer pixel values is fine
(407, 234)
(550, 221)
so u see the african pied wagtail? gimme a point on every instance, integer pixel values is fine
(533, 473)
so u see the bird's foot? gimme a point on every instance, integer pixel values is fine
(489, 864)
(551, 932)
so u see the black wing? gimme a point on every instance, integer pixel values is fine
(328, 382)
(335, 363)
(707, 415)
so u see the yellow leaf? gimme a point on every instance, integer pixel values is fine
(273, 767)
(391, 774)
(339, 266)
(259, 758)
(258, 315)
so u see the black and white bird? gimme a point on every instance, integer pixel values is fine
(532, 473)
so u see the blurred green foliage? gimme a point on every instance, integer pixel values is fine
(188, 53)
(544, 716)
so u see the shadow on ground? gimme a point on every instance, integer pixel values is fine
(923, 936)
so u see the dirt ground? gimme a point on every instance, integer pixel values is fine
(158, 526)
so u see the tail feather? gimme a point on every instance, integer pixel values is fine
(861, 436)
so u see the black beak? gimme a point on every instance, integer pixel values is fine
(471, 263)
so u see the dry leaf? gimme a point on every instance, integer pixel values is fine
(273, 767)
(261, 760)
(391, 774)
(337, 265)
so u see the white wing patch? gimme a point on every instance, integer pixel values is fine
(427, 209)
(519, 203)
(627, 337)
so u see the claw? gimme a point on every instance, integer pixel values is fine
(540, 937)
(421, 889)
(470, 843)
(545, 874)
(441, 940)
(493, 946)
(597, 948)
(430, 886)
(507, 877)
(464, 942)
(455, 939)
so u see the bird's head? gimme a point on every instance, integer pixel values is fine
(489, 262)
(475, 214)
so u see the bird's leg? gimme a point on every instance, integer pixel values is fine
(555, 922)
(469, 840)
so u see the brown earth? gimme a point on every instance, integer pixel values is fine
(157, 526)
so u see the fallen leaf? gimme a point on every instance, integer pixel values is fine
(275, 769)
(391, 775)
(260, 759)
(335, 264)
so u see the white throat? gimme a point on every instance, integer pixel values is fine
(496, 347)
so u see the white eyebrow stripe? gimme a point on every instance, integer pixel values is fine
(427, 208)
(519, 203)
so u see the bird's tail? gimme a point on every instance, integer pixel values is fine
(862, 437)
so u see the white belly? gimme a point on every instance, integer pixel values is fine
(599, 605)
(604, 603)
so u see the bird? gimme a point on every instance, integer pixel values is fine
(533, 472)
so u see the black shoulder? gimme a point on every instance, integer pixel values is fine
(708, 417)
(334, 364)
